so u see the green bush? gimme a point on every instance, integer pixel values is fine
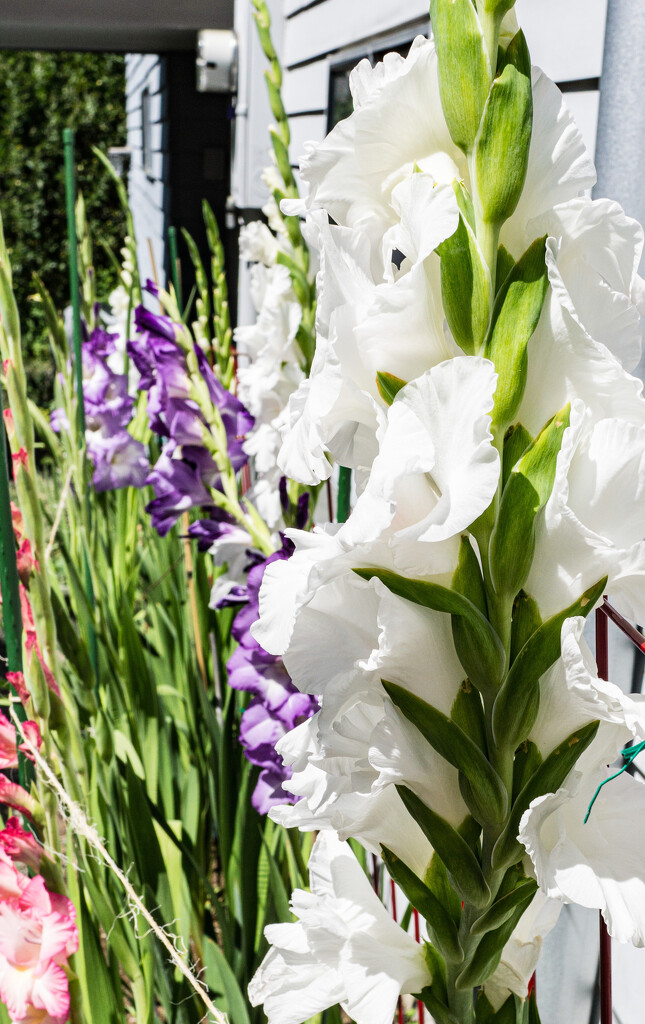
(40, 95)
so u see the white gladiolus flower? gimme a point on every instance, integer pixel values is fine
(362, 175)
(592, 863)
(522, 951)
(345, 948)
(589, 334)
(258, 244)
(428, 472)
(339, 788)
(398, 124)
(597, 864)
(594, 520)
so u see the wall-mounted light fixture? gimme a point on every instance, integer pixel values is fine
(216, 60)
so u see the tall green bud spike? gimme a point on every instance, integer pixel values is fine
(464, 73)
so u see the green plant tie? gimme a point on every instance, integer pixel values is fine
(629, 754)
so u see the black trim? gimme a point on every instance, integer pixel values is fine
(305, 7)
(580, 85)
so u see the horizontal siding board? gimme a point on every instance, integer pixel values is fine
(306, 88)
(336, 24)
(310, 128)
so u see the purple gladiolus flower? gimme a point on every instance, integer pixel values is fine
(119, 460)
(186, 471)
(277, 706)
(178, 485)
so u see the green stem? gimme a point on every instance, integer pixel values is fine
(490, 23)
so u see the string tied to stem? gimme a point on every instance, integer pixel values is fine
(629, 755)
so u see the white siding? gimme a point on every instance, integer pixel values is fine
(148, 190)
(334, 24)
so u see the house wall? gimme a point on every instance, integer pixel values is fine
(148, 187)
(188, 161)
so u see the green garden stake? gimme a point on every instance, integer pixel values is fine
(75, 298)
(9, 587)
(175, 265)
(344, 491)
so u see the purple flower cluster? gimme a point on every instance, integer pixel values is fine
(277, 706)
(185, 470)
(119, 460)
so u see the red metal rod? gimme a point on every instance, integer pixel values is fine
(606, 1013)
(626, 627)
(602, 643)
(375, 876)
(417, 935)
(602, 661)
(399, 1005)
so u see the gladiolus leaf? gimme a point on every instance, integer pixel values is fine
(483, 660)
(388, 386)
(442, 928)
(547, 779)
(489, 797)
(461, 864)
(517, 701)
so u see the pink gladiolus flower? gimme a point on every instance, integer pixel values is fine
(20, 845)
(35, 1016)
(31, 640)
(37, 934)
(8, 748)
(20, 458)
(7, 413)
(17, 680)
(15, 796)
(25, 561)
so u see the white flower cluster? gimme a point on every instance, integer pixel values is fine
(269, 371)
(380, 202)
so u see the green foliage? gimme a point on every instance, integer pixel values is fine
(40, 94)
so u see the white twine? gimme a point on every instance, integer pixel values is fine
(81, 825)
(59, 513)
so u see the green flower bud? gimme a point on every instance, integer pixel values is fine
(527, 491)
(465, 288)
(504, 138)
(464, 74)
(498, 7)
(515, 316)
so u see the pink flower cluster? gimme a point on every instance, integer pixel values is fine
(38, 934)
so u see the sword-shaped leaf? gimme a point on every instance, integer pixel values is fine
(461, 864)
(547, 779)
(487, 789)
